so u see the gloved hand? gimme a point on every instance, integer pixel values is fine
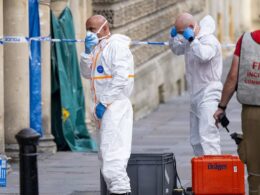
(91, 41)
(100, 110)
(173, 32)
(188, 34)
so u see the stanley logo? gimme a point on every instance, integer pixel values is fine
(216, 166)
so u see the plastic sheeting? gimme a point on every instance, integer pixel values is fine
(35, 68)
(68, 107)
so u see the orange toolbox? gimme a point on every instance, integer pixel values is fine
(217, 174)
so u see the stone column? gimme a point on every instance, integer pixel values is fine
(237, 12)
(231, 22)
(212, 8)
(2, 135)
(47, 144)
(220, 22)
(245, 15)
(255, 4)
(255, 14)
(81, 10)
(226, 21)
(57, 6)
(77, 9)
(86, 13)
(16, 72)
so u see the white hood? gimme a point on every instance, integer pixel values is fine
(120, 38)
(207, 26)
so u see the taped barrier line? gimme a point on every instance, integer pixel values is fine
(20, 39)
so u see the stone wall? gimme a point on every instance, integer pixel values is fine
(234, 17)
(16, 72)
(159, 74)
(255, 5)
(2, 142)
(81, 10)
(14, 69)
(120, 14)
(46, 143)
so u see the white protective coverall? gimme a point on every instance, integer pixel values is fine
(203, 59)
(110, 67)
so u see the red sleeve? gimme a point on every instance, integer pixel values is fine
(238, 47)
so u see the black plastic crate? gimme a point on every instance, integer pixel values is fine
(150, 174)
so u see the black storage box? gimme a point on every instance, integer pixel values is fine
(150, 174)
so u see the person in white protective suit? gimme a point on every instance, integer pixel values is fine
(108, 63)
(203, 59)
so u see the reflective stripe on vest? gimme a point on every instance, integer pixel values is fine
(108, 77)
(248, 89)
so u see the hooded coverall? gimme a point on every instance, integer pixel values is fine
(110, 67)
(203, 59)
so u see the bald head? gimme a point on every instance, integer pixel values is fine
(94, 23)
(183, 21)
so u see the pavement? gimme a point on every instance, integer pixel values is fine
(166, 129)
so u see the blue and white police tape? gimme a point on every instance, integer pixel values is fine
(149, 43)
(13, 39)
(20, 39)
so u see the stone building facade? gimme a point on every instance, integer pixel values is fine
(159, 74)
(234, 17)
(2, 133)
(14, 68)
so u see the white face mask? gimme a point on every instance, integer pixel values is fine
(98, 31)
(180, 38)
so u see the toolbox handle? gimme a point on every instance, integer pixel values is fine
(217, 156)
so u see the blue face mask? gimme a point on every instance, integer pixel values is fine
(92, 39)
(93, 36)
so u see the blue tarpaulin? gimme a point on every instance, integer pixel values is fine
(35, 68)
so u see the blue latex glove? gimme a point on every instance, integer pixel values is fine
(173, 31)
(91, 41)
(100, 110)
(189, 34)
